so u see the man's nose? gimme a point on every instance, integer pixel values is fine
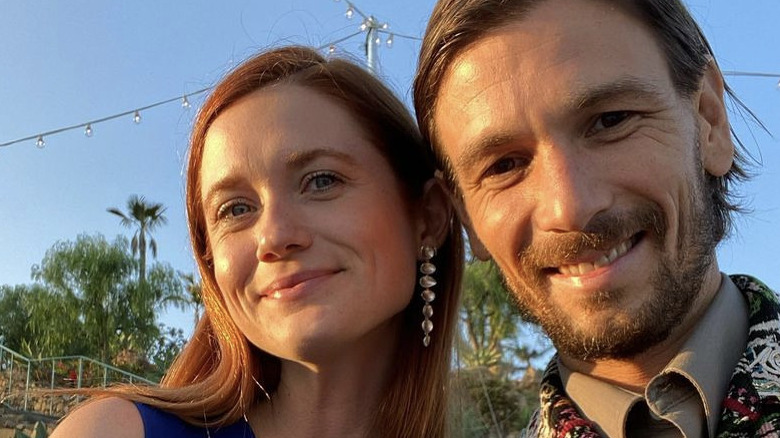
(570, 186)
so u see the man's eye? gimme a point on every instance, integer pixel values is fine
(610, 120)
(502, 166)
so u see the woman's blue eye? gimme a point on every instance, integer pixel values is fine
(239, 209)
(320, 181)
(323, 181)
(233, 210)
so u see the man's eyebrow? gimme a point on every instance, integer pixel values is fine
(483, 147)
(624, 88)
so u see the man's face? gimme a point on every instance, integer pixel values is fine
(582, 173)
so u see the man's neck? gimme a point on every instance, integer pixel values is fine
(635, 372)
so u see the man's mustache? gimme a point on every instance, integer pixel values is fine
(603, 232)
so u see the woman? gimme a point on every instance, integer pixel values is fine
(314, 216)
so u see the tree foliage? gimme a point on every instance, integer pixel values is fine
(91, 273)
(87, 301)
(495, 380)
(193, 293)
(35, 321)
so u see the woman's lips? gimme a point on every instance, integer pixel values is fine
(290, 284)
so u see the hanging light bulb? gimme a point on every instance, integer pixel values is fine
(185, 103)
(88, 130)
(332, 49)
(137, 118)
(389, 41)
(364, 25)
(385, 26)
(378, 41)
(350, 12)
(40, 143)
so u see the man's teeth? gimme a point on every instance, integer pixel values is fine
(604, 260)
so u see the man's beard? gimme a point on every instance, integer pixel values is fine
(676, 283)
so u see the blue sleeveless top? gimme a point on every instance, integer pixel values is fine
(161, 424)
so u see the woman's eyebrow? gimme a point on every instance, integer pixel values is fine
(298, 159)
(222, 184)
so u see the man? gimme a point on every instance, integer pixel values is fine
(588, 146)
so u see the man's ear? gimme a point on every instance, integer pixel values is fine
(717, 149)
(477, 247)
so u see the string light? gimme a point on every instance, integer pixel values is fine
(136, 113)
(368, 23)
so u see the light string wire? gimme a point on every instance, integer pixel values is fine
(369, 22)
(752, 74)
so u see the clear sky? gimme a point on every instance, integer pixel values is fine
(66, 63)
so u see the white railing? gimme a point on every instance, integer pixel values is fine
(27, 384)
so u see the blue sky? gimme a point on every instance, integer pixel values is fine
(65, 63)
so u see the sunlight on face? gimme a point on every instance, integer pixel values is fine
(313, 244)
(580, 173)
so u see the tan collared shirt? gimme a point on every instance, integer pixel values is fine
(684, 400)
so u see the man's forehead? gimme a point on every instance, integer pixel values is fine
(551, 60)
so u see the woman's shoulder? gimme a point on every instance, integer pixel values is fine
(121, 418)
(111, 416)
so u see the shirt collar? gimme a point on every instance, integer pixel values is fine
(708, 357)
(707, 360)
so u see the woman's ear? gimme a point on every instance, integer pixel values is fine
(437, 213)
(440, 204)
(717, 148)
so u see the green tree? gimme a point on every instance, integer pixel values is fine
(193, 292)
(137, 331)
(489, 317)
(92, 274)
(96, 280)
(495, 381)
(165, 349)
(37, 322)
(144, 217)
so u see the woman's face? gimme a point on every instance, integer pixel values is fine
(313, 242)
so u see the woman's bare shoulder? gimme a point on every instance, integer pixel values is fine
(112, 416)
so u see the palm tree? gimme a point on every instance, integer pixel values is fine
(144, 217)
